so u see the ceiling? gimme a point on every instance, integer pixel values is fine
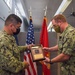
(37, 9)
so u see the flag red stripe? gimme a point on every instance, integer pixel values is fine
(31, 63)
(28, 71)
(28, 67)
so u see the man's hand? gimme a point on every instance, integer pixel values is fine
(26, 64)
(47, 60)
(45, 48)
(29, 46)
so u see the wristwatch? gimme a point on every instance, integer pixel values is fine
(51, 62)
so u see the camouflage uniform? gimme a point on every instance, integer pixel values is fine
(10, 61)
(66, 45)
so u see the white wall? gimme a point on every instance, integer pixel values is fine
(4, 12)
(1, 23)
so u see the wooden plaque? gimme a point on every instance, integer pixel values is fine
(37, 53)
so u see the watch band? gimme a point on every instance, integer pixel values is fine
(51, 62)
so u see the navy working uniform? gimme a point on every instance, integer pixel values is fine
(66, 45)
(10, 61)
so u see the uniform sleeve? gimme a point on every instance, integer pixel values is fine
(22, 48)
(7, 58)
(10, 63)
(17, 48)
(69, 44)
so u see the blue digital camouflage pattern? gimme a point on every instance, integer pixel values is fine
(66, 45)
(10, 61)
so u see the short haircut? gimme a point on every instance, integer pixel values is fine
(59, 17)
(12, 18)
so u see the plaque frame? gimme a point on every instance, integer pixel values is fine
(37, 53)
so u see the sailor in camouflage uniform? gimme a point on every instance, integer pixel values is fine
(10, 61)
(65, 47)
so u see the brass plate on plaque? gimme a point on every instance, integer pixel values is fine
(37, 53)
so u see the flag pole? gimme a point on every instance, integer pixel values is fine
(48, 65)
(44, 42)
(32, 69)
(45, 11)
(30, 13)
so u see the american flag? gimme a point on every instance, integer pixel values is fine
(31, 70)
(30, 35)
